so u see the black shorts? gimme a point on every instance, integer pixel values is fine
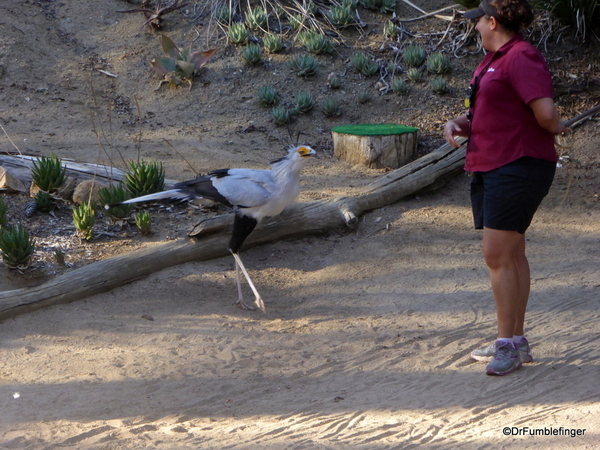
(506, 198)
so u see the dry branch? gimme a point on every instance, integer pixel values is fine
(211, 236)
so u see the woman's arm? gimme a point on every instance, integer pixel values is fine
(456, 127)
(547, 115)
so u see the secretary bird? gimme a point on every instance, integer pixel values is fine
(253, 193)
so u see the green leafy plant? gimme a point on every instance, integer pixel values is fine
(581, 15)
(379, 5)
(281, 115)
(145, 178)
(257, 18)
(252, 54)
(267, 96)
(331, 107)
(3, 218)
(316, 43)
(333, 81)
(296, 21)
(390, 30)
(48, 173)
(115, 194)
(399, 86)
(143, 222)
(414, 74)
(179, 66)
(438, 63)
(362, 64)
(223, 14)
(16, 246)
(439, 85)
(303, 102)
(84, 219)
(340, 16)
(237, 33)
(273, 43)
(44, 202)
(414, 55)
(363, 97)
(303, 65)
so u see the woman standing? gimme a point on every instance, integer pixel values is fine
(511, 126)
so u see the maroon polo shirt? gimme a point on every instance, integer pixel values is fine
(503, 126)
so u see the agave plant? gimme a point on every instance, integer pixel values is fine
(237, 33)
(331, 107)
(257, 18)
(399, 86)
(303, 65)
(303, 102)
(362, 64)
(252, 54)
(116, 194)
(44, 202)
(145, 178)
(316, 43)
(267, 96)
(379, 5)
(438, 63)
(414, 55)
(439, 85)
(280, 115)
(48, 173)
(179, 66)
(414, 74)
(273, 43)
(3, 208)
(16, 246)
(143, 222)
(84, 218)
(341, 16)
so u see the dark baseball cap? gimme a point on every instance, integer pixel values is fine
(484, 9)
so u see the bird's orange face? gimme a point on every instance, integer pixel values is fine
(305, 151)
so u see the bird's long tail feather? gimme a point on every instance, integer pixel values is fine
(173, 194)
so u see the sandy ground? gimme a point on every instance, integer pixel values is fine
(367, 333)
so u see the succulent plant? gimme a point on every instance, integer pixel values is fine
(331, 107)
(362, 64)
(315, 42)
(252, 54)
(363, 97)
(273, 43)
(267, 96)
(414, 74)
(341, 16)
(281, 115)
(439, 85)
(303, 102)
(257, 18)
(296, 21)
(223, 14)
(414, 55)
(145, 178)
(116, 194)
(143, 222)
(438, 63)
(237, 33)
(48, 173)
(16, 246)
(179, 66)
(379, 5)
(399, 86)
(84, 219)
(390, 30)
(303, 65)
(333, 81)
(3, 209)
(44, 202)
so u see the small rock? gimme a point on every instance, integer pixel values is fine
(87, 190)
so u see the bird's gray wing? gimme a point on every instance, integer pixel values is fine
(245, 187)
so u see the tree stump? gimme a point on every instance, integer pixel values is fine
(376, 146)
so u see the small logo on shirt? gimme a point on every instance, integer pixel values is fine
(491, 69)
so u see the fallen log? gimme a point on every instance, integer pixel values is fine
(211, 236)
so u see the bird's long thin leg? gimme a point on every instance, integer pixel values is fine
(240, 302)
(258, 300)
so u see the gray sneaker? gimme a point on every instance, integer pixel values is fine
(506, 360)
(487, 354)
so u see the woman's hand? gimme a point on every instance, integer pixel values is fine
(456, 127)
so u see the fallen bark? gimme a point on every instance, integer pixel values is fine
(211, 236)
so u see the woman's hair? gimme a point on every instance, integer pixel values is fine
(513, 15)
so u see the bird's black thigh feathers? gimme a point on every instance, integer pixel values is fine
(242, 227)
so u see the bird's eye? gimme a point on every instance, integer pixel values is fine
(303, 151)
